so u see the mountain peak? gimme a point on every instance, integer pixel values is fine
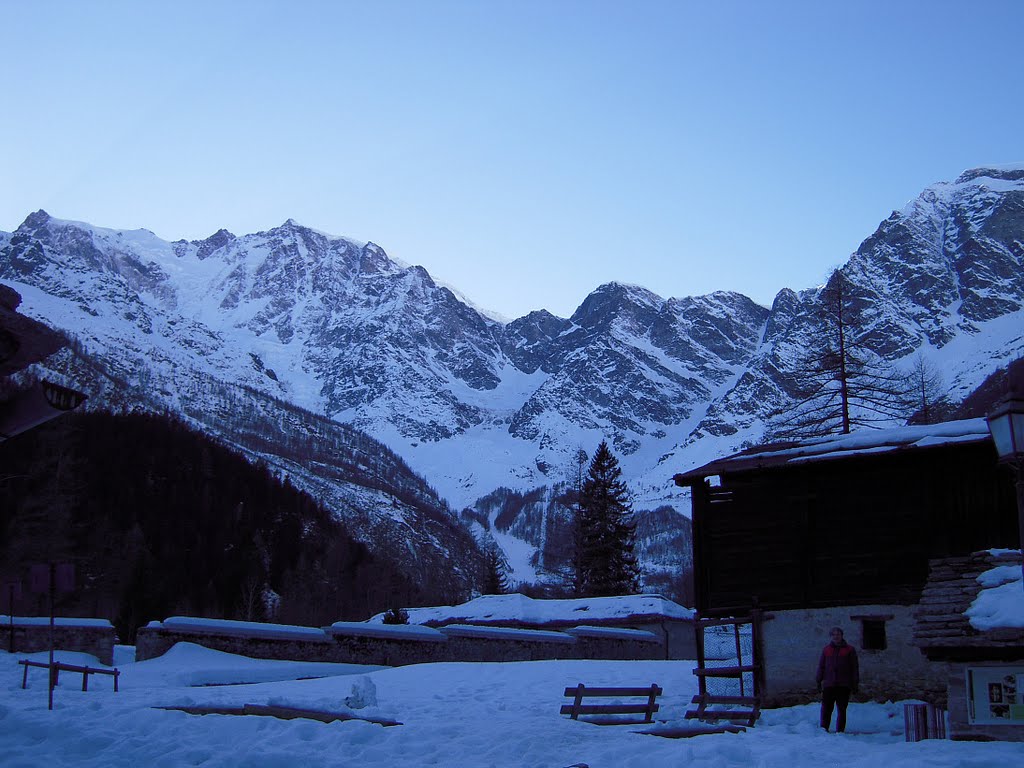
(36, 220)
(217, 240)
(1013, 172)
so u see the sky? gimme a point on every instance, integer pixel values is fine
(523, 152)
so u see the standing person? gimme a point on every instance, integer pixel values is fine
(838, 676)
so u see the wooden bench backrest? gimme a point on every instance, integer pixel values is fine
(581, 691)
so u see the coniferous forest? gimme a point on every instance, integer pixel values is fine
(160, 520)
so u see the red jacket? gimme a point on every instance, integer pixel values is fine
(838, 666)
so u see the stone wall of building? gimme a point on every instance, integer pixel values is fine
(32, 635)
(793, 641)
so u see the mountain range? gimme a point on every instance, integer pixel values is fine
(419, 418)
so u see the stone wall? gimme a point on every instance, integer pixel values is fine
(599, 643)
(474, 643)
(32, 635)
(793, 641)
(375, 644)
(153, 640)
(679, 638)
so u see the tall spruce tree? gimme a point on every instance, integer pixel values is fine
(605, 534)
(495, 580)
(840, 384)
(580, 459)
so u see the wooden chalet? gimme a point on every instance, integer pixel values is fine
(839, 531)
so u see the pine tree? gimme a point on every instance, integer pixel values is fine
(605, 535)
(579, 462)
(495, 567)
(839, 383)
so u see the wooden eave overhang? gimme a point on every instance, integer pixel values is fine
(862, 444)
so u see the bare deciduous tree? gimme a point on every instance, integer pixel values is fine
(926, 391)
(839, 383)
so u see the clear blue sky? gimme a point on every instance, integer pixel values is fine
(525, 152)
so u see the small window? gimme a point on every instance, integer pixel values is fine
(874, 634)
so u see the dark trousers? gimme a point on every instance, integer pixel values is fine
(837, 696)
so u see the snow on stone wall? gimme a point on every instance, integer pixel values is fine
(32, 634)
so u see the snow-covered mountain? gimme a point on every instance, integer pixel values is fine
(943, 279)
(294, 316)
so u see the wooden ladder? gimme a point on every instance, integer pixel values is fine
(746, 706)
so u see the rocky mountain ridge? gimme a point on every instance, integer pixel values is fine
(339, 329)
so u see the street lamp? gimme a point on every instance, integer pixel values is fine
(1006, 423)
(35, 405)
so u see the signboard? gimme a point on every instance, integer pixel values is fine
(995, 695)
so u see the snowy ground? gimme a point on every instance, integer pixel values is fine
(452, 715)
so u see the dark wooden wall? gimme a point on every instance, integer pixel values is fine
(851, 531)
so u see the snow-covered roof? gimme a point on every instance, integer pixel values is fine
(1000, 601)
(972, 604)
(522, 610)
(240, 628)
(864, 442)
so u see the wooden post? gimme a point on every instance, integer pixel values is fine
(739, 655)
(577, 702)
(650, 703)
(10, 614)
(757, 640)
(701, 661)
(53, 669)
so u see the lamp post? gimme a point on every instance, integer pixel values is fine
(1006, 423)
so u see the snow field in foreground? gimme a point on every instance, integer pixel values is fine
(464, 714)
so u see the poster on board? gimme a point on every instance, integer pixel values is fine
(995, 695)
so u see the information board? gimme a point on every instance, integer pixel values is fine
(995, 695)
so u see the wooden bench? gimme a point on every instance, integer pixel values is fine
(60, 666)
(580, 692)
